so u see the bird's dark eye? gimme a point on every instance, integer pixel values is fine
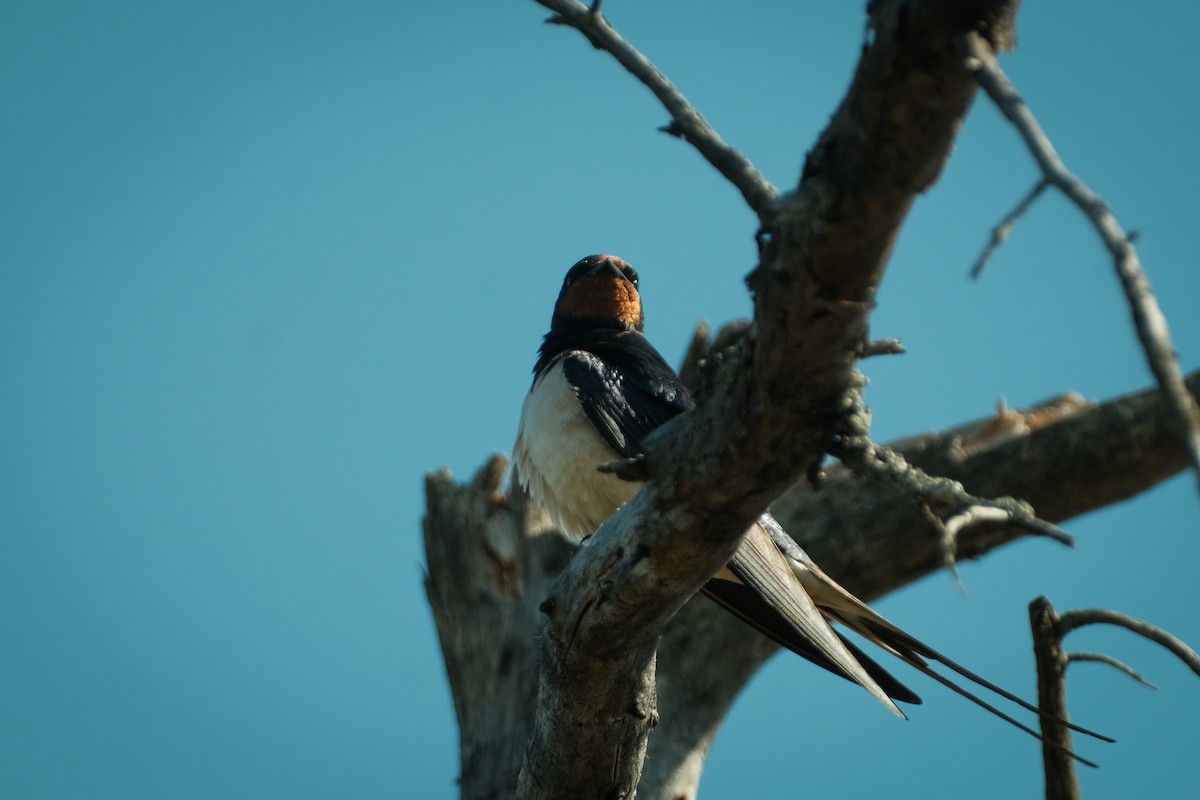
(575, 272)
(631, 275)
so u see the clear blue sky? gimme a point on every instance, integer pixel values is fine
(264, 265)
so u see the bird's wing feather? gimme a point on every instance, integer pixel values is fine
(750, 607)
(626, 389)
(759, 565)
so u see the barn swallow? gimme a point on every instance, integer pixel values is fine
(599, 389)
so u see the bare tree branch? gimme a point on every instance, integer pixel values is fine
(686, 121)
(1000, 232)
(946, 505)
(1092, 616)
(881, 347)
(1049, 631)
(1120, 666)
(1078, 458)
(946, 500)
(1061, 780)
(1148, 318)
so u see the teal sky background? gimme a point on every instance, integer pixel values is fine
(264, 265)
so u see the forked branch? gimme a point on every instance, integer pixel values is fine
(1049, 631)
(1148, 318)
(686, 121)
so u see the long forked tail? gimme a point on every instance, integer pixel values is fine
(899, 642)
(911, 650)
(839, 605)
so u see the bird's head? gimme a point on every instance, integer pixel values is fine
(602, 291)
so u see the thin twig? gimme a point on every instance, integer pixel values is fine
(881, 347)
(948, 545)
(1001, 231)
(949, 506)
(1120, 666)
(1091, 616)
(686, 121)
(1148, 318)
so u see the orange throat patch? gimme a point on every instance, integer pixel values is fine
(605, 297)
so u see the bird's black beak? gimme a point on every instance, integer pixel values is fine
(608, 265)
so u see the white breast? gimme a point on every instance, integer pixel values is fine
(557, 452)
